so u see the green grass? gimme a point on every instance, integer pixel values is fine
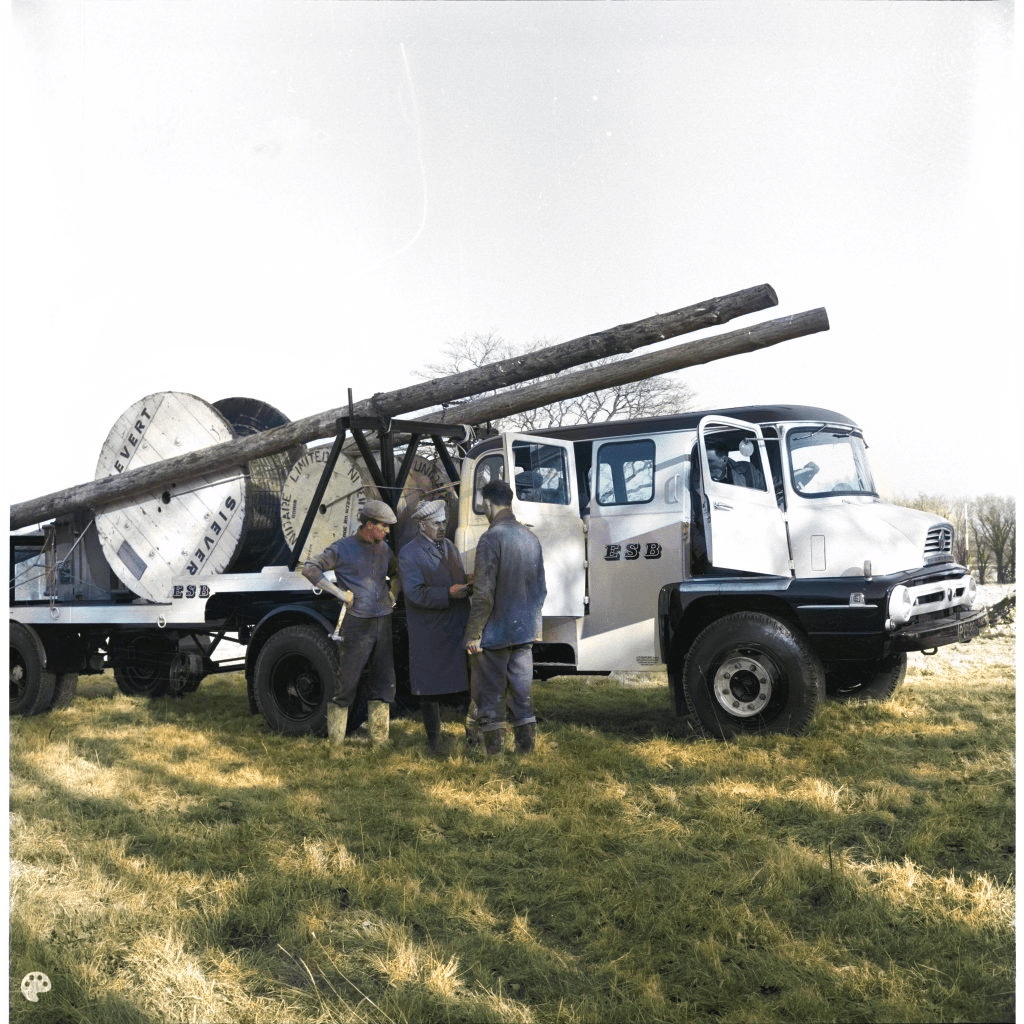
(174, 861)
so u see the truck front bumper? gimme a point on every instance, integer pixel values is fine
(950, 629)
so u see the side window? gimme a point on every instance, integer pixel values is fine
(540, 473)
(487, 469)
(625, 473)
(735, 458)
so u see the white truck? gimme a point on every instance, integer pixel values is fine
(761, 591)
(763, 578)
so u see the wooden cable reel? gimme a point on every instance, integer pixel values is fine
(193, 528)
(264, 540)
(348, 489)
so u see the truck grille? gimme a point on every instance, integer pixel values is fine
(939, 545)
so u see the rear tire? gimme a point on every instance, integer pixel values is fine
(866, 680)
(65, 690)
(142, 663)
(32, 685)
(294, 677)
(751, 673)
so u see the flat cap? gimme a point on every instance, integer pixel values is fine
(379, 512)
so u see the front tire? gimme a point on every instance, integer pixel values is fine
(866, 680)
(293, 679)
(751, 673)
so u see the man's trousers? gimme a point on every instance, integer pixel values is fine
(366, 643)
(500, 676)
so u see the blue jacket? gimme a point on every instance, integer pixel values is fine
(364, 569)
(508, 585)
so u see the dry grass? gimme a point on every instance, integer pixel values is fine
(174, 861)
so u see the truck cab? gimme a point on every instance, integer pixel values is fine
(745, 550)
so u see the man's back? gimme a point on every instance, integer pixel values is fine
(509, 577)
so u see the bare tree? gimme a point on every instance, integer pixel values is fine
(994, 525)
(655, 396)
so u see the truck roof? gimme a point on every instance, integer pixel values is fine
(760, 414)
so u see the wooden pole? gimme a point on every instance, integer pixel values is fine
(506, 373)
(693, 353)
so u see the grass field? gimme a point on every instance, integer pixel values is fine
(174, 861)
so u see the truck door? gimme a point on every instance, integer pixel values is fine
(542, 476)
(743, 525)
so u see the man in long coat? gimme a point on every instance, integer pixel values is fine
(437, 609)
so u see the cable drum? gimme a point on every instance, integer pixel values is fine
(348, 488)
(264, 539)
(427, 480)
(194, 527)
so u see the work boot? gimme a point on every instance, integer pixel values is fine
(378, 722)
(473, 735)
(525, 736)
(494, 740)
(337, 723)
(432, 723)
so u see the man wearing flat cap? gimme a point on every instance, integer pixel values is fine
(365, 567)
(437, 609)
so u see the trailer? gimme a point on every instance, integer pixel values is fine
(71, 614)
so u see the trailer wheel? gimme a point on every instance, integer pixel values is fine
(32, 686)
(866, 680)
(142, 663)
(750, 673)
(65, 690)
(294, 676)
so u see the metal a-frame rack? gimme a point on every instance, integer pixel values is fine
(391, 434)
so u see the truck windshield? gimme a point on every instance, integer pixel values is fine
(826, 460)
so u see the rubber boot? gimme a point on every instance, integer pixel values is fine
(473, 735)
(432, 723)
(525, 736)
(337, 723)
(378, 722)
(494, 740)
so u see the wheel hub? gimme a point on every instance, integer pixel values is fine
(742, 686)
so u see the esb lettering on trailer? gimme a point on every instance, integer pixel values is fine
(181, 590)
(631, 552)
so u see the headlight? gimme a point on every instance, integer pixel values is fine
(972, 592)
(901, 605)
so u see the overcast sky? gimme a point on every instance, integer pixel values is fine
(284, 201)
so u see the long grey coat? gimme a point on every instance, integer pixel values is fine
(437, 658)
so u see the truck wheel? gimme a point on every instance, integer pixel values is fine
(675, 685)
(142, 663)
(32, 685)
(294, 676)
(750, 673)
(866, 680)
(65, 690)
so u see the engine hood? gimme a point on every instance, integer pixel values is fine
(835, 537)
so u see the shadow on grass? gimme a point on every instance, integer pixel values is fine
(591, 875)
